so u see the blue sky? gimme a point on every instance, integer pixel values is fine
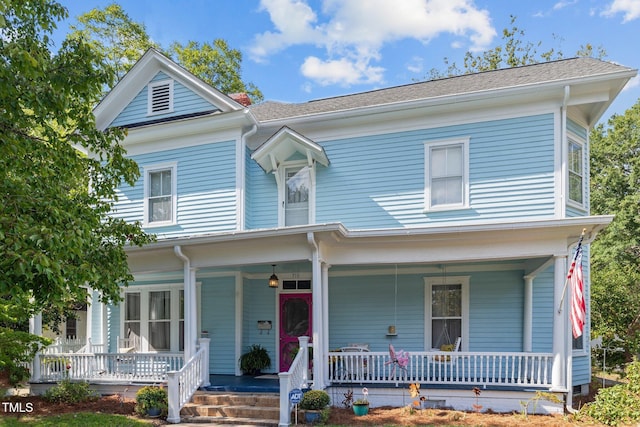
(299, 50)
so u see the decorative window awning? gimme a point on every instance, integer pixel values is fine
(284, 145)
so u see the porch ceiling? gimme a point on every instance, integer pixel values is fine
(340, 246)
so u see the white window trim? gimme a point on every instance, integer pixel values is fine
(573, 138)
(448, 280)
(144, 291)
(150, 87)
(173, 166)
(282, 182)
(465, 174)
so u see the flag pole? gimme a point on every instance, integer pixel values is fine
(573, 264)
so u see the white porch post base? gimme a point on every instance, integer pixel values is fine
(173, 398)
(205, 343)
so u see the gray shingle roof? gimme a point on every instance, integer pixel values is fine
(547, 72)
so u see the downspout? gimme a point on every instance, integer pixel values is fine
(317, 313)
(189, 310)
(240, 179)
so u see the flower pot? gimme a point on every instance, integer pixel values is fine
(360, 409)
(311, 416)
(153, 412)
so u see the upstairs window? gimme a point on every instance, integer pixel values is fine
(160, 195)
(576, 172)
(446, 174)
(160, 98)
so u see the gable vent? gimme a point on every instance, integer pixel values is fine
(160, 97)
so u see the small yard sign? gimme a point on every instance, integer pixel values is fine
(295, 396)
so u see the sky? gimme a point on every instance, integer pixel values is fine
(300, 50)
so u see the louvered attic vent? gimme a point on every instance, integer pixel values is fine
(160, 97)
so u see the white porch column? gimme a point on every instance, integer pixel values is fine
(325, 320)
(191, 313)
(558, 373)
(317, 314)
(89, 327)
(527, 333)
(239, 293)
(35, 328)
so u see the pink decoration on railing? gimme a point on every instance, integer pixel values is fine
(400, 359)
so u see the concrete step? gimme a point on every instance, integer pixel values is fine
(255, 409)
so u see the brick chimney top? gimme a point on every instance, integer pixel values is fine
(241, 98)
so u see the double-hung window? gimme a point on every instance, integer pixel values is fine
(446, 174)
(160, 194)
(447, 310)
(576, 172)
(154, 316)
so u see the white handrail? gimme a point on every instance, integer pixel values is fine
(183, 383)
(295, 377)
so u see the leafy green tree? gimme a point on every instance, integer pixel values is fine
(123, 41)
(216, 64)
(58, 175)
(615, 189)
(514, 51)
(119, 39)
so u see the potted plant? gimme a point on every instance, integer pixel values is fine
(151, 401)
(361, 406)
(255, 359)
(313, 402)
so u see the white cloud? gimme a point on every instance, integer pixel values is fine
(353, 32)
(340, 71)
(630, 8)
(564, 3)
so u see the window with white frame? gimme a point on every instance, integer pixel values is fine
(296, 194)
(160, 97)
(576, 172)
(160, 184)
(447, 310)
(446, 174)
(155, 317)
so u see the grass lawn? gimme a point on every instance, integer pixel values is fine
(81, 419)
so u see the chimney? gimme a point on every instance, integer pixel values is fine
(241, 98)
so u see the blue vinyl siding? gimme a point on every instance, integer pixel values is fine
(217, 310)
(206, 190)
(259, 304)
(542, 333)
(362, 308)
(263, 203)
(378, 181)
(185, 101)
(495, 311)
(577, 129)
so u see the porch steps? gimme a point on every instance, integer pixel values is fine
(251, 409)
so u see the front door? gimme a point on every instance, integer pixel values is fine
(295, 321)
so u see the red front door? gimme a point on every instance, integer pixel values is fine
(295, 321)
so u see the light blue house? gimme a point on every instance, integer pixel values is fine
(411, 216)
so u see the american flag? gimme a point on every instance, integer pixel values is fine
(578, 309)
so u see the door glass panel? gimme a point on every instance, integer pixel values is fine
(298, 185)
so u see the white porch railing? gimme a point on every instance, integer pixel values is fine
(183, 383)
(139, 367)
(463, 368)
(295, 377)
(64, 345)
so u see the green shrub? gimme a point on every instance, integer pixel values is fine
(70, 392)
(619, 404)
(315, 399)
(149, 397)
